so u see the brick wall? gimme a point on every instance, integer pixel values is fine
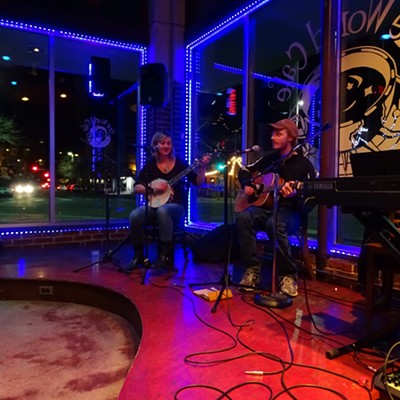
(51, 236)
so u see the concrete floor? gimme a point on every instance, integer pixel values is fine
(319, 347)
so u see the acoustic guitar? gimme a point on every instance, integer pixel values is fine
(263, 195)
(158, 199)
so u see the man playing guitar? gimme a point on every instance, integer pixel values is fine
(165, 203)
(257, 214)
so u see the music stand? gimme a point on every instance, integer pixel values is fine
(108, 256)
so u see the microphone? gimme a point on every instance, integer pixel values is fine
(256, 148)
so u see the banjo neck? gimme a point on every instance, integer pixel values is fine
(182, 174)
(157, 200)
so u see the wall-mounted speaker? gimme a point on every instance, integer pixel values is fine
(100, 77)
(153, 85)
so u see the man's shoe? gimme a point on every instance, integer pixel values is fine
(288, 286)
(249, 280)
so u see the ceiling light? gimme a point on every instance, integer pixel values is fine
(35, 49)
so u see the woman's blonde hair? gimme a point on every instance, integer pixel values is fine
(158, 137)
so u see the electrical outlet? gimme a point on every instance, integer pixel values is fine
(46, 290)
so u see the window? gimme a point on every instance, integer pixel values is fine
(73, 147)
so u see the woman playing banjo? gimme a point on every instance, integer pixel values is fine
(161, 179)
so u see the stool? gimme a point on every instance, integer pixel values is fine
(304, 252)
(179, 237)
(379, 258)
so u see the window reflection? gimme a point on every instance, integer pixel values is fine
(23, 140)
(217, 129)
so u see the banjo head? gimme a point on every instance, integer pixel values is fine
(159, 199)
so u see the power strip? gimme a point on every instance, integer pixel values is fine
(392, 383)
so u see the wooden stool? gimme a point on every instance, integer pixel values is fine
(305, 252)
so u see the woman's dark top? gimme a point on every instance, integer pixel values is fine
(150, 172)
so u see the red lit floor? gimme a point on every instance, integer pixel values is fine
(191, 351)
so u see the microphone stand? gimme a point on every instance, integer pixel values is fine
(274, 299)
(225, 280)
(146, 261)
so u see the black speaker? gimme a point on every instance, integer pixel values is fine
(100, 77)
(153, 85)
(214, 247)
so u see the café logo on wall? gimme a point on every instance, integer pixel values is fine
(369, 80)
(370, 109)
(98, 132)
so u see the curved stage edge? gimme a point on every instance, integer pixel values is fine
(75, 292)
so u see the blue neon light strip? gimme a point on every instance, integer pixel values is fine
(9, 233)
(251, 7)
(263, 77)
(72, 35)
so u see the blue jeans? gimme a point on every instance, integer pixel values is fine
(255, 219)
(165, 217)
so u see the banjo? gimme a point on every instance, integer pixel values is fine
(158, 199)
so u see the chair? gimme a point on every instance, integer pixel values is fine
(181, 237)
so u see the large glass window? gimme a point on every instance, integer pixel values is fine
(68, 122)
(261, 68)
